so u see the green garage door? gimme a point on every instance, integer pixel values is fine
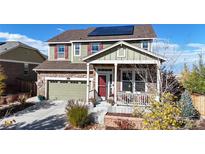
(66, 90)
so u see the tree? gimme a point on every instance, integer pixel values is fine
(194, 81)
(2, 81)
(188, 110)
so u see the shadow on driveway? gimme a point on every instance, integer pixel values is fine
(50, 123)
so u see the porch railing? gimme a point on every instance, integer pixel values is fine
(124, 98)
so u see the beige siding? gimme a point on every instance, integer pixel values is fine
(84, 48)
(23, 54)
(52, 52)
(130, 54)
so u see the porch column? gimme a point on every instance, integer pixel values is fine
(158, 80)
(115, 84)
(88, 79)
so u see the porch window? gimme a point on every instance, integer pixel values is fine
(95, 47)
(77, 49)
(140, 80)
(127, 81)
(61, 51)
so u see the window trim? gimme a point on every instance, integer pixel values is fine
(26, 68)
(133, 70)
(92, 47)
(148, 45)
(124, 51)
(75, 49)
(58, 51)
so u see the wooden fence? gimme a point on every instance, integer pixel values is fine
(199, 103)
(27, 86)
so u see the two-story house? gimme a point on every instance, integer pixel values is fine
(102, 62)
(18, 60)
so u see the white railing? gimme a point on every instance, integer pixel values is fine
(124, 98)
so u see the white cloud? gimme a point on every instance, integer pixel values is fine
(177, 55)
(40, 45)
(60, 29)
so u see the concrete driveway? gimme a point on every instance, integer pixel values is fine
(49, 115)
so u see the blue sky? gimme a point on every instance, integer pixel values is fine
(179, 43)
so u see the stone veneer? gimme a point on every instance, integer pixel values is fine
(41, 78)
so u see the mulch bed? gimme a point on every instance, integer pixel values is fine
(13, 108)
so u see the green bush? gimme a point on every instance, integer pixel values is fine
(188, 110)
(77, 114)
(163, 115)
(194, 80)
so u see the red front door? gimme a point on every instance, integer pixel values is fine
(102, 85)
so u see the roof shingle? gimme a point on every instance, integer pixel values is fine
(61, 66)
(140, 31)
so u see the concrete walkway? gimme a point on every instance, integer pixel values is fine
(42, 116)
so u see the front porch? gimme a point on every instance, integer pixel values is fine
(125, 73)
(124, 84)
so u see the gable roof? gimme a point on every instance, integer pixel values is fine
(10, 45)
(129, 45)
(140, 31)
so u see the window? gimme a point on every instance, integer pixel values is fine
(127, 81)
(95, 47)
(121, 52)
(77, 49)
(26, 69)
(140, 79)
(61, 51)
(145, 45)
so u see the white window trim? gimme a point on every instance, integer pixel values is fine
(121, 56)
(133, 70)
(148, 48)
(92, 47)
(27, 68)
(79, 50)
(58, 51)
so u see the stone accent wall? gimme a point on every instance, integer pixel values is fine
(111, 121)
(42, 82)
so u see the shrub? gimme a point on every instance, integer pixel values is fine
(2, 81)
(77, 114)
(125, 124)
(188, 110)
(22, 98)
(138, 111)
(194, 80)
(164, 114)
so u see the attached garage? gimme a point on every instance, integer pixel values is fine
(66, 89)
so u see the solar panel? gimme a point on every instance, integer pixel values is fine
(110, 31)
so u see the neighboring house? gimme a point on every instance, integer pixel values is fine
(18, 61)
(101, 62)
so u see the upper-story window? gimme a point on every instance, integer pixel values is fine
(77, 49)
(26, 69)
(145, 45)
(61, 51)
(95, 47)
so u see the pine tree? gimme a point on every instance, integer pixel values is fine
(188, 110)
(2, 81)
